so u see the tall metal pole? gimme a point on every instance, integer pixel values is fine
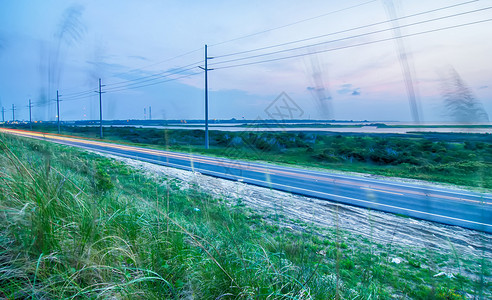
(100, 111)
(58, 109)
(3, 114)
(206, 69)
(13, 112)
(206, 100)
(30, 116)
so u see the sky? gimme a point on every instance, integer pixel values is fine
(343, 60)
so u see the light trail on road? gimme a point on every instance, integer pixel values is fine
(453, 207)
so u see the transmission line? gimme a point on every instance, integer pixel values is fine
(154, 83)
(344, 31)
(157, 75)
(86, 93)
(157, 63)
(351, 37)
(294, 23)
(355, 45)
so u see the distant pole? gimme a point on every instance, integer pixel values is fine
(30, 116)
(150, 112)
(100, 110)
(3, 114)
(145, 113)
(206, 69)
(58, 109)
(13, 112)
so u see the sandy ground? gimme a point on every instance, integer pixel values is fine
(380, 227)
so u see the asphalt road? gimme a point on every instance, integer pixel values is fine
(448, 206)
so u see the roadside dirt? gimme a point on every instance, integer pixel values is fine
(383, 228)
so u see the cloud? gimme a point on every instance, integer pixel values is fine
(483, 87)
(348, 89)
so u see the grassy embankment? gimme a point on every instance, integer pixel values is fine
(77, 225)
(462, 159)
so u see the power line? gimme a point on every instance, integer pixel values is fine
(162, 77)
(85, 94)
(294, 23)
(91, 95)
(157, 63)
(135, 82)
(154, 83)
(138, 84)
(351, 37)
(70, 95)
(142, 67)
(355, 45)
(157, 75)
(346, 30)
(114, 90)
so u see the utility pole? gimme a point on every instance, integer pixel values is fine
(13, 112)
(100, 110)
(206, 69)
(3, 114)
(150, 112)
(58, 109)
(30, 116)
(145, 113)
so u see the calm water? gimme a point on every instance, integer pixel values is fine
(363, 129)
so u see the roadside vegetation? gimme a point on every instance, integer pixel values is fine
(76, 225)
(461, 159)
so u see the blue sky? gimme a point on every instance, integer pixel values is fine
(63, 45)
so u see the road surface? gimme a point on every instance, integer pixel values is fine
(453, 207)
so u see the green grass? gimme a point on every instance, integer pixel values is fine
(75, 225)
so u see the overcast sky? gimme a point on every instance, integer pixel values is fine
(357, 74)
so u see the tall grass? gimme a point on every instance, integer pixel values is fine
(74, 225)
